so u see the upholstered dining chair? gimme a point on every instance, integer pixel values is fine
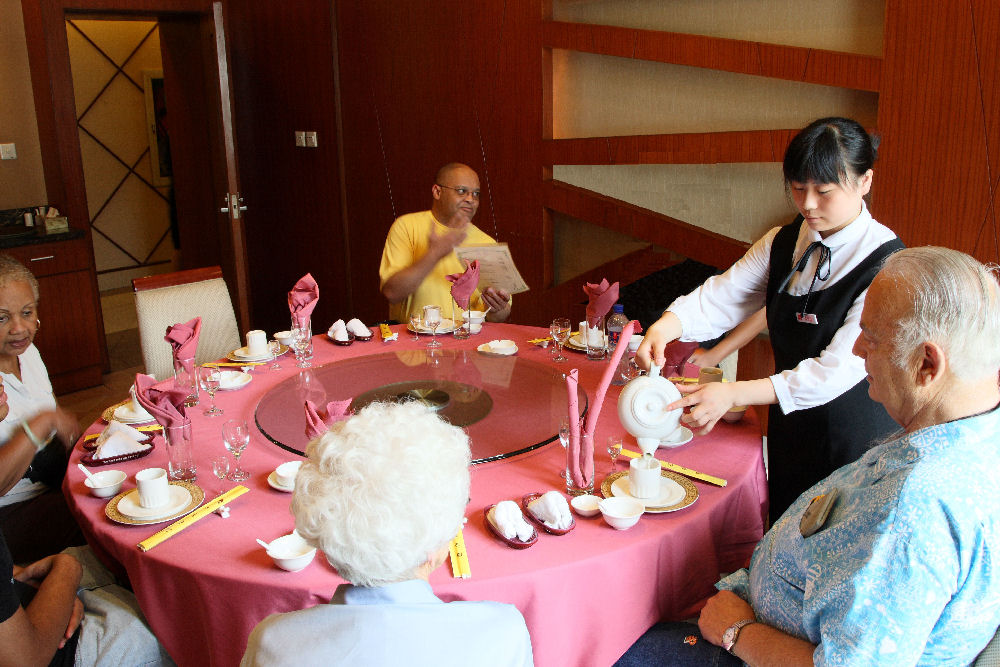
(169, 298)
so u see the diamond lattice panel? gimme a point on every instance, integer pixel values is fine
(102, 173)
(91, 70)
(136, 218)
(118, 120)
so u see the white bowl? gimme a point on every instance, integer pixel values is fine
(291, 552)
(735, 414)
(634, 342)
(585, 505)
(621, 513)
(283, 337)
(286, 472)
(106, 483)
(476, 316)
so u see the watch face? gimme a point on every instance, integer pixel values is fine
(727, 638)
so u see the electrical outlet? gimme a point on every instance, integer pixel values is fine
(300, 138)
(311, 141)
(8, 152)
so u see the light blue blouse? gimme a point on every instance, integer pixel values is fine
(902, 573)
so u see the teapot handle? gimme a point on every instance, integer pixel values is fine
(654, 370)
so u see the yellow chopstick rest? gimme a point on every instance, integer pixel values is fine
(182, 523)
(459, 557)
(687, 472)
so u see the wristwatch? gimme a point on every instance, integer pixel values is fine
(732, 633)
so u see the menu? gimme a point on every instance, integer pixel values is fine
(496, 266)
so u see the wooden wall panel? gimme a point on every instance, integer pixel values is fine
(939, 117)
(425, 83)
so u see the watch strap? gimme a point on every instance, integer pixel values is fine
(733, 633)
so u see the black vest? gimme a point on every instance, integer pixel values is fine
(807, 445)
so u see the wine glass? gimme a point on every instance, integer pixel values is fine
(220, 468)
(564, 441)
(209, 378)
(432, 320)
(274, 347)
(560, 329)
(615, 450)
(236, 435)
(415, 324)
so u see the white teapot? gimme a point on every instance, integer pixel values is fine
(641, 409)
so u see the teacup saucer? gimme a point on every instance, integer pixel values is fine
(272, 481)
(232, 380)
(681, 436)
(129, 505)
(505, 351)
(126, 415)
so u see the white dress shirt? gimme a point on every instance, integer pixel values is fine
(724, 301)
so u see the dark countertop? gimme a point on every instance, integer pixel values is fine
(35, 235)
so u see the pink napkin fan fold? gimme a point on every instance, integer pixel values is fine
(601, 297)
(303, 297)
(183, 338)
(464, 284)
(318, 422)
(166, 405)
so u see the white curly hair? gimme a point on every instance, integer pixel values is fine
(383, 491)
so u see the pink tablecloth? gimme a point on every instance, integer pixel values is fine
(586, 596)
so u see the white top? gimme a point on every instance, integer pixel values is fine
(724, 301)
(26, 397)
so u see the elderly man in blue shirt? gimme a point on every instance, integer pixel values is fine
(888, 561)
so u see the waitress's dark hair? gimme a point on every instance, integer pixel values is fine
(830, 150)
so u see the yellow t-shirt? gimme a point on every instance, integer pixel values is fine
(405, 244)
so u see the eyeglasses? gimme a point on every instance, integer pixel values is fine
(461, 190)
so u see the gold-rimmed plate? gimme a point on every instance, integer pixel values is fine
(616, 485)
(241, 355)
(109, 414)
(195, 491)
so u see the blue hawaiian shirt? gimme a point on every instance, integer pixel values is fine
(902, 572)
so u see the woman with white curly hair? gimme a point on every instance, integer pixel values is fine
(381, 495)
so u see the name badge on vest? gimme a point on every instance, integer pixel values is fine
(806, 318)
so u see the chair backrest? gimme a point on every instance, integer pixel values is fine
(990, 656)
(170, 298)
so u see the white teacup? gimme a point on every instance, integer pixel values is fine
(286, 472)
(154, 490)
(644, 477)
(256, 342)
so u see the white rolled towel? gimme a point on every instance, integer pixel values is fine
(358, 328)
(510, 521)
(115, 426)
(552, 510)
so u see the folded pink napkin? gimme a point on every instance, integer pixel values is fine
(675, 357)
(609, 373)
(601, 298)
(166, 405)
(581, 457)
(464, 284)
(303, 297)
(184, 340)
(318, 422)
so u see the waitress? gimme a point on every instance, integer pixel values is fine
(812, 275)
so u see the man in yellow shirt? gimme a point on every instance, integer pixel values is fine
(420, 250)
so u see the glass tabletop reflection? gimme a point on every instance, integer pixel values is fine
(507, 405)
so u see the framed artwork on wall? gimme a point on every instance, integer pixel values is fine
(156, 126)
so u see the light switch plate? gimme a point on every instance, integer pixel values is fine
(311, 140)
(300, 138)
(8, 152)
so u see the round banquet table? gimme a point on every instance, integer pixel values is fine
(586, 596)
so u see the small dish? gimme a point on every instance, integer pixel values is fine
(585, 505)
(735, 414)
(621, 513)
(291, 552)
(680, 436)
(350, 339)
(500, 348)
(106, 483)
(285, 474)
(531, 497)
(272, 481)
(513, 544)
(233, 380)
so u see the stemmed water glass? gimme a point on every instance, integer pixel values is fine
(614, 450)
(432, 320)
(274, 347)
(415, 324)
(564, 441)
(560, 330)
(209, 378)
(220, 468)
(236, 435)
